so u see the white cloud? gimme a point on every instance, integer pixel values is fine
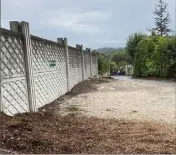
(87, 22)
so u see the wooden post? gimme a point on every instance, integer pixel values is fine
(28, 56)
(64, 42)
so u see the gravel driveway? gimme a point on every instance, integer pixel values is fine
(129, 99)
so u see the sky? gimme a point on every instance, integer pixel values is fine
(93, 23)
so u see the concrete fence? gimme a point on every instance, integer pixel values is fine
(36, 71)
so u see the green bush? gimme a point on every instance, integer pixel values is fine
(172, 70)
(103, 65)
(143, 64)
(113, 67)
(167, 50)
(172, 52)
(155, 56)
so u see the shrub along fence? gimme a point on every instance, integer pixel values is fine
(36, 71)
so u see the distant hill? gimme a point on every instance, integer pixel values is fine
(109, 50)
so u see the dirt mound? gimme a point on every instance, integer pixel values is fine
(87, 86)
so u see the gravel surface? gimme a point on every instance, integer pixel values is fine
(130, 99)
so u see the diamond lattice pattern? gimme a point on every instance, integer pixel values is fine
(14, 90)
(50, 81)
(44, 52)
(14, 97)
(73, 63)
(11, 55)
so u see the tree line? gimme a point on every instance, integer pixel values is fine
(151, 55)
(154, 55)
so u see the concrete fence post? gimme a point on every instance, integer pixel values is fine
(96, 63)
(15, 26)
(28, 56)
(77, 53)
(87, 50)
(80, 47)
(1, 104)
(90, 55)
(83, 65)
(64, 42)
(23, 28)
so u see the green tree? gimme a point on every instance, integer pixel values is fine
(113, 67)
(143, 64)
(103, 65)
(121, 56)
(132, 43)
(162, 19)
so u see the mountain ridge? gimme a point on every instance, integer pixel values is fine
(109, 49)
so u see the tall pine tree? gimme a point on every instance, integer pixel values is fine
(162, 19)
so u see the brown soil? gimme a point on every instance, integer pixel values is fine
(87, 86)
(47, 132)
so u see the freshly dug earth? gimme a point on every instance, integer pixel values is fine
(47, 133)
(88, 86)
(50, 132)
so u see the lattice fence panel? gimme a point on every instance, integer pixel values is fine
(14, 97)
(39, 55)
(12, 55)
(87, 64)
(44, 53)
(50, 81)
(73, 62)
(54, 52)
(41, 90)
(49, 87)
(57, 85)
(14, 90)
